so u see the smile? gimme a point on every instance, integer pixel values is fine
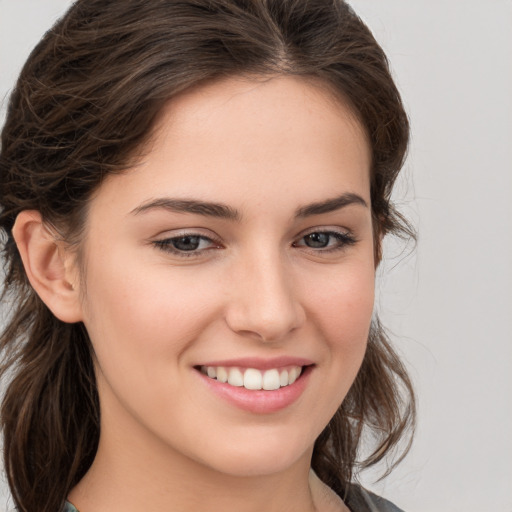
(256, 385)
(253, 379)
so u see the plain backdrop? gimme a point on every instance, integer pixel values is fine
(448, 302)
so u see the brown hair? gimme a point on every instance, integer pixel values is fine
(84, 104)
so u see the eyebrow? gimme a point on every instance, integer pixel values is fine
(222, 211)
(205, 208)
(330, 205)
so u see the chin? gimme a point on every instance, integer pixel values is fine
(259, 457)
(256, 466)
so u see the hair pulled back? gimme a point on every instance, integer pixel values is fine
(83, 107)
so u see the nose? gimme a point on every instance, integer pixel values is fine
(264, 302)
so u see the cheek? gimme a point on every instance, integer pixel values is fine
(343, 306)
(145, 317)
(343, 311)
(340, 308)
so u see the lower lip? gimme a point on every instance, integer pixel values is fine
(260, 401)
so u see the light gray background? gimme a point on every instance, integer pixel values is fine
(450, 302)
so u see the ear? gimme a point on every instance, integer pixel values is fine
(49, 266)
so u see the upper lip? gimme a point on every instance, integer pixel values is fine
(260, 363)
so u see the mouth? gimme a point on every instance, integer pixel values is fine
(256, 386)
(252, 378)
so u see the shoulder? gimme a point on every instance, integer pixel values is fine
(356, 498)
(361, 500)
(69, 508)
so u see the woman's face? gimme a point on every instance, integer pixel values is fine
(240, 248)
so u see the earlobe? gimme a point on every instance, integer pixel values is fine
(47, 265)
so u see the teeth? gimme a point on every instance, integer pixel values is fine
(235, 377)
(271, 380)
(252, 378)
(293, 374)
(222, 374)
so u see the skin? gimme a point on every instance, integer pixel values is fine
(266, 148)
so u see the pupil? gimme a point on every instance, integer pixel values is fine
(186, 243)
(317, 240)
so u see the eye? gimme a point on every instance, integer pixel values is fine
(326, 241)
(187, 244)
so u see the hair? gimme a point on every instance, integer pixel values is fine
(83, 107)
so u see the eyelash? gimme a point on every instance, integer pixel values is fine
(166, 245)
(344, 240)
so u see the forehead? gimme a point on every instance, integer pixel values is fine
(282, 102)
(243, 139)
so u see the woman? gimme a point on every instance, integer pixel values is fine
(194, 196)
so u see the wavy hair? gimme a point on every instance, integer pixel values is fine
(83, 108)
